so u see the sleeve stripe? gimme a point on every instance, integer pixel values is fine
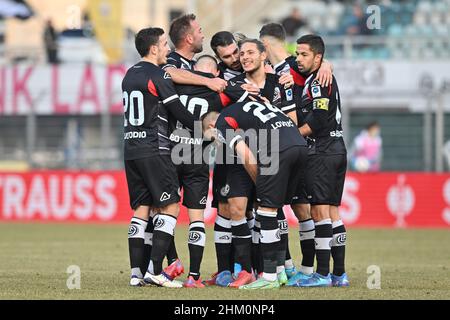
(244, 96)
(169, 66)
(171, 98)
(289, 107)
(234, 140)
(163, 119)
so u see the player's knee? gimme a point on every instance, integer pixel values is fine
(172, 209)
(224, 210)
(302, 211)
(320, 212)
(237, 207)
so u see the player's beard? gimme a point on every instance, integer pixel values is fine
(198, 48)
(236, 66)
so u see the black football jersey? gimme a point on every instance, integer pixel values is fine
(277, 94)
(323, 108)
(149, 99)
(227, 73)
(199, 100)
(274, 130)
(290, 66)
(176, 60)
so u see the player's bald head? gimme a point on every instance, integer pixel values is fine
(207, 63)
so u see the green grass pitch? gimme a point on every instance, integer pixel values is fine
(414, 264)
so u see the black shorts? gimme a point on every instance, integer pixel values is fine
(278, 186)
(220, 188)
(152, 182)
(300, 196)
(194, 179)
(325, 176)
(240, 183)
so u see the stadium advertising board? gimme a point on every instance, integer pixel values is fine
(385, 199)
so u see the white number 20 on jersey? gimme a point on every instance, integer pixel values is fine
(128, 104)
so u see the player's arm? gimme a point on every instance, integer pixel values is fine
(170, 99)
(318, 117)
(325, 74)
(181, 76)
(233, 93)
(286, 80)
(248, 159)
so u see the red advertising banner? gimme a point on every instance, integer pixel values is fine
(369, 200)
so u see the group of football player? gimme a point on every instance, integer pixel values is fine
(271, 124)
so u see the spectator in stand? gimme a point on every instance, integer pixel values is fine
(357, 23)
(293, 22)
(50, 42)
(366, 151)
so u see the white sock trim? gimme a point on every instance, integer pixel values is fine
(269, 214)
(235, 223)
(225, 223)
(289, 264)
(306, 270)
(337, 223)
(324, 221)
(280, 269)
(270, 276)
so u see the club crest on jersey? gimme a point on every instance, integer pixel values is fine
(194, 237)
(167, 76)
(165, 196)
(276, 95)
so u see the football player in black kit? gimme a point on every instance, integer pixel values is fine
(150, 101)
(252, 58)
(271, 163)
(190, 154)
(273, 36)
(186, 35)
(226, 48)
(327, 164)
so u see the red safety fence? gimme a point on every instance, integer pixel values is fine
(374, 200)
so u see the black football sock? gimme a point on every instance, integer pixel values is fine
(324, 235)
(307, 245)
(281, 252)
(338, 247)
(148, 243)
(172, 254)
(270, 239)
(136, 247)
(242, 242)
(162, 236)
(196, 244)
(222, 241)
(257, 264)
